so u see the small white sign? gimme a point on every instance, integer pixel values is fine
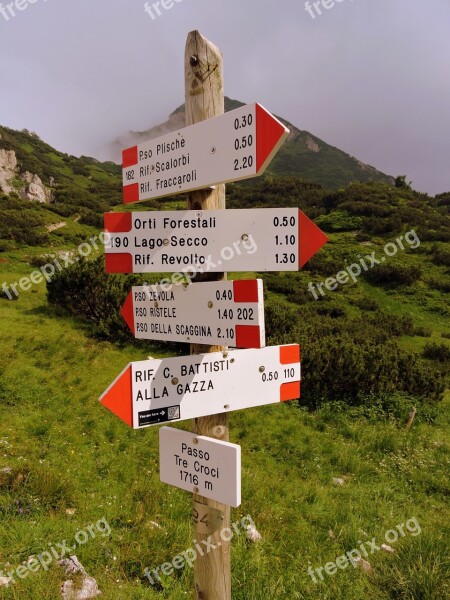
(237, 145)
(226, 313)
(201, 465)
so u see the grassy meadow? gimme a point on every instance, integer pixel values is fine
(321, 477)
(69, 462)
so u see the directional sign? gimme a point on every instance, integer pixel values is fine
(237, 145)
(227, 313)
(261, 239)
(202, 465)
(151, 392)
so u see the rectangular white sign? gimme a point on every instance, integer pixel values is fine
(227, 313)
(261, 239)
(237, 145)
(152, 392)
(201, 465)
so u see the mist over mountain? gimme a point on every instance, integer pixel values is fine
(303, 155)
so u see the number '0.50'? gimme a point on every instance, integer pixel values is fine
(284, 221)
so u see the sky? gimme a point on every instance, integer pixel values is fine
(371, 77)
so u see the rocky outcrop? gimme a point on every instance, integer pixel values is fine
(32, 187)
(312, 145)
(8, 166)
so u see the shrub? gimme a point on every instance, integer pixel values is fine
(441, 257)
(352, 360)
(437, 352)
(365, 303)
(422, 331)
(392, 276)
(440, 285)
(86, 290)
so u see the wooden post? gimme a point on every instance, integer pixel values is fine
(411, 418)
(205, 99)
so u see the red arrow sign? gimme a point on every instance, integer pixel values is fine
(223, 313)
(151, 392)
(259, 239)
(237, 145)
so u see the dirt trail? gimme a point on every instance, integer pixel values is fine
(55, 226)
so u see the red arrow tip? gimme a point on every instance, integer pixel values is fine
(117, 397)
(311, 238)
(270, 134)
(127, 312)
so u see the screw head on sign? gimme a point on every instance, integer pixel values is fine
(232, 360)
(195, 490)
(156, 305)
(199, 214)
(210, 304)
(195, 441)
(166, 242)
(194, 61)
(262, 369)
(244, 237)
(213, 150)
(175, 380)
(227, 406)
(225, 355)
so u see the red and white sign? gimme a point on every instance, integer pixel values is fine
(226, 313)
(200, 464)
(237, 145)
(259, 239)
(151, 392)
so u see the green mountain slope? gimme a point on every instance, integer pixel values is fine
(70, 181)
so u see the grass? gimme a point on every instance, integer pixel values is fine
(73, 463)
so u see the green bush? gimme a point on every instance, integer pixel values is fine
(442, 285)
(352, 360)
(87, 291)
(422, 331)
(392, 276)
(365, 303)
(437, 352)
(441, 257)
(22, 224)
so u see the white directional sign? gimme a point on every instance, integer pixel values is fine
(261, 239)
(202, 465)
(151, 392)
(227, 313)
(237, 145)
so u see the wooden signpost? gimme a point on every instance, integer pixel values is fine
(199, 244)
